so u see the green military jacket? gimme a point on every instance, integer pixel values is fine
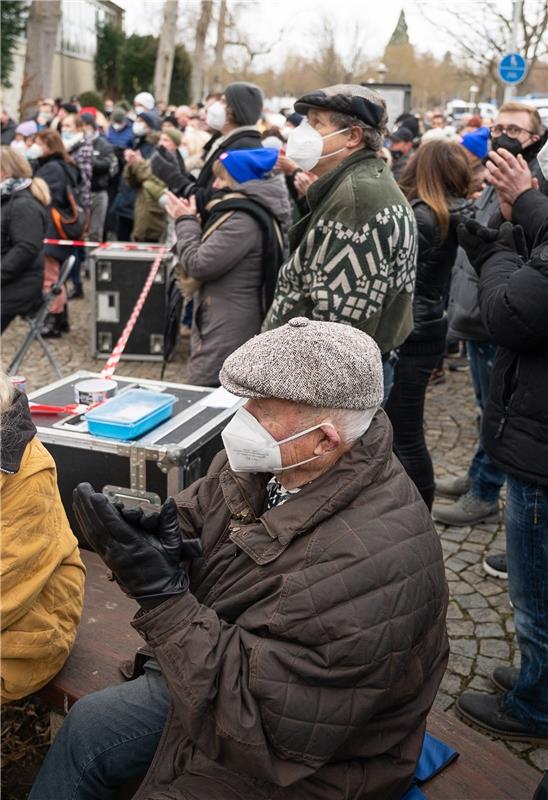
(353, 257)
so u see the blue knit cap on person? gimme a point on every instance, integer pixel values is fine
(477, 142)
(249, 165)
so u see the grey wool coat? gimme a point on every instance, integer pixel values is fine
(228, 264)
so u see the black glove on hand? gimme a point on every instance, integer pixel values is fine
(152, 521)
(144, 560)
(481, 243)
(164, 165)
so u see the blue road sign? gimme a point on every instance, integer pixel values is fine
(512, 68)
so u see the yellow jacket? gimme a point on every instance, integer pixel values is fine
(42, 576)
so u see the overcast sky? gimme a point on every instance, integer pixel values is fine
(263, 19)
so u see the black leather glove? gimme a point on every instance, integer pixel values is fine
(481, 243)
(145, 559)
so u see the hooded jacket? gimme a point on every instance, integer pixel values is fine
(228, 263)
(60, 176)
(354, 256)
(42, 574)
(304, 659)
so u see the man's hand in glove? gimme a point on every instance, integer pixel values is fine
(164, 165)
(481, 243)
(144, 551)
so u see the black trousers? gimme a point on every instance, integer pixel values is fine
(406, 411)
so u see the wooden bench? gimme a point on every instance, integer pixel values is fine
(485, 770)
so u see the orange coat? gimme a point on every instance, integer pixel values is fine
(42, 576)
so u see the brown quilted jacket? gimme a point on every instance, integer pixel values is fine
(305, 658)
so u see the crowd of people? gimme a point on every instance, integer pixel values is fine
(328, 264)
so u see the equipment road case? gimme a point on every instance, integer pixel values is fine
(159, 463)
(118, 272)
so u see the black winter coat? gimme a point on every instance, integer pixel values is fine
(513, 299)
(435, 260)
(24, 222)
(59, 175)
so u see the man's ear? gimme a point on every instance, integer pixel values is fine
(355, 137)
(329, 441)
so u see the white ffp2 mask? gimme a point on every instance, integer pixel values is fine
(305, 145)
(216, 115)
(251, 448)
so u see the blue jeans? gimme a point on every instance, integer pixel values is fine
(78, 253)
(526, 518)
(486, 479)
(106, 739)
(388, 369)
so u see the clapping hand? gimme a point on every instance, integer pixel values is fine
(481, 243)
(180, 206)
(143, 550)
(510, 176)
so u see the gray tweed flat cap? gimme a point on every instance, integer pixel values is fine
(322, 364)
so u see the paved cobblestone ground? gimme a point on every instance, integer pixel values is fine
(480, 623)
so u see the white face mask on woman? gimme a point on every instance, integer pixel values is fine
(251, 448)
(305, 145)
(34, 151)
(216, 115)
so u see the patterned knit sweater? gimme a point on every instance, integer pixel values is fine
(353, 256)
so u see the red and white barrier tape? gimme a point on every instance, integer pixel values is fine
(118, 245)
(114, 358)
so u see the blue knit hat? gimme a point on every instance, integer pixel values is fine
(249, 165)
(477, 142)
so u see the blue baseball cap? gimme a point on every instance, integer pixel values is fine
(477, 142)
(249, 165)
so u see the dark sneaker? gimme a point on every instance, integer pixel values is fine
(486, 713)
(453, 487)
(495, 566)
(467, 510)
(504, 678)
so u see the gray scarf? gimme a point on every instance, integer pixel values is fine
(11, 185)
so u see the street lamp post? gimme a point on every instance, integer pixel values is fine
(473, 94)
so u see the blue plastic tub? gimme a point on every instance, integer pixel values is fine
(130, 414)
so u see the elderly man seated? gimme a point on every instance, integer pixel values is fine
(299, 654)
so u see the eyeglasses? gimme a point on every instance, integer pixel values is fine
(513, 131)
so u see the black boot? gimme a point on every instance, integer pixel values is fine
(76, 291)
(64, 321)
(55, 325)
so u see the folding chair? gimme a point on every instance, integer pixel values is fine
(36, 322)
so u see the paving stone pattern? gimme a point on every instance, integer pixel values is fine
(479, 620)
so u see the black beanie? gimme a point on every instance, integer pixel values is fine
(246, 102)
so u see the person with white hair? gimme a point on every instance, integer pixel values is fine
(298, 649)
